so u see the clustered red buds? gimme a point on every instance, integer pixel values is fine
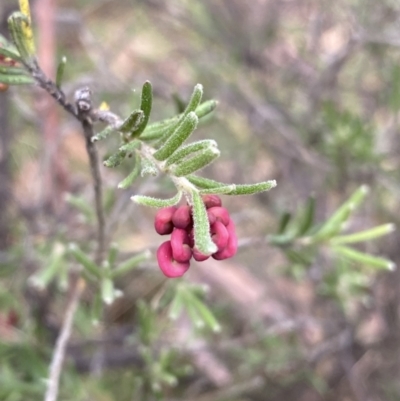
(174, 256)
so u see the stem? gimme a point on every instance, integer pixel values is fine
(62, 341)
(97, 183)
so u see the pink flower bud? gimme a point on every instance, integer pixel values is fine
(211, 201)
(181, 250)
(211, 217)
(219, 235)
(167, 264)
(231, 248)
(220, 213)
(197, 255)
(163, 220)
(182, 218)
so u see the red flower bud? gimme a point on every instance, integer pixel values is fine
(220, 213)
(163, 220)
(181, 250)
(211, 201)
(219, 235)
(167, 264)
(231, 248)
(182, 218)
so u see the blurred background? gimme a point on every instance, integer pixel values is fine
(309, 95)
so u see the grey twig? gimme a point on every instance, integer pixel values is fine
(84, 108)
(62, 342)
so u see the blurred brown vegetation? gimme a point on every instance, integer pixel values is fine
(292, 77)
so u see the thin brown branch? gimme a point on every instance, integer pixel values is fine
(62, 341)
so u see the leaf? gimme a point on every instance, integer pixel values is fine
(115, 160)
(206, 314)
(202, 238)
(306, 218)
(283, 222)
(60, 71)
(182, 132)
(13, 79)
(107, 291)
(155, 202)
(22, 35)
(8, 50)
(186, 150)
(334, 224)
(145, 106)
(364, 258)
(250, 189)
(130, 264)
(222, 190)
(132, 122)
(195, 163)
(190, 108)
(159, 128)
(365, 235)
(87, 264)
(176, 307)
(42, 278)
(128, 181)
(82, 205)
(104, 133)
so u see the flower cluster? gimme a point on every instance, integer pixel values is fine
(174, 256)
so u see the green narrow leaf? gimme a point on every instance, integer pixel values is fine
(60, 71)
(17, 23)
(283, 222)
(82, 205)
(365, 235)
(115, 160)
(202, 238)
(104, 133)
(186, 150)
(8, 50)
(132, 122)
(206, 108)
(176, 306)
(250, 189)
(155, 202)
(190, 108)
(145, 105)
(86, 263)
(307, 217)
(128, 181)
(206, 314)
(204, 183)
(97, 309)
(223, 190)
(42, 278)
(16, 79)
(130, 264)
(193, 313)
(195, 163)
(160, 128)
(112, 254)
(334, 224)
(107, 291)
(364, 258)
(11, 70)
(179, 136)
(130, 146)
